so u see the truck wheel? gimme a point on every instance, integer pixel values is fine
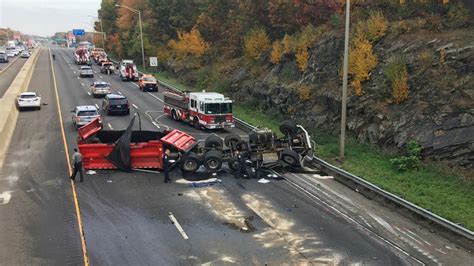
(196, 123)
(231, 140)
(173, 115)
(290, 157)
(212, 160)
(233, 164)
(190, 162)
(288, 127)
(213, 141)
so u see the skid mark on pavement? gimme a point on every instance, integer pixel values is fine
(218, 202)
(282, 232)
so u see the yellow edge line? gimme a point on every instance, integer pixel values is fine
(73, 187)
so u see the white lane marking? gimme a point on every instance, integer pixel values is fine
(119, 92)
(110, 126)
(155, 97)
(178, 226)
(89, 93)
(95, 72)
(5, 197)
(82, 83)
(74, 72)
(155, 124)
(136, 84)
(442, 252)
(101, 77)
(136, 107)
(97, 106)
(77, 77)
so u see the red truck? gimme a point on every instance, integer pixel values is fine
(143, 150)
(209, 110)
(81, 57)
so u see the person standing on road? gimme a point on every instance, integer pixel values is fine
(242, 164)
(77, 161)
(166, 165)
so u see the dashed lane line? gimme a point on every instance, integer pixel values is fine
(89, 93)
(136, 107)
(178, 226)
(110, 126)
(97, 106)
(155, 124)
(151, 94)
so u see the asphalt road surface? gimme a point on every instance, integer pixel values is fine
(11, 69)
(136, 219)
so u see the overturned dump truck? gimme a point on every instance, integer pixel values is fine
(263, 149)
(128, 149)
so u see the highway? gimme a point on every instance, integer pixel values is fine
(8, 72)
(136, 219)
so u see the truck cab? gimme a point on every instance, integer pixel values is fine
(211, 109)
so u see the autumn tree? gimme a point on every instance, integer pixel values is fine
(189, 44)
(256, 43)
(397, 73)
(361, 61)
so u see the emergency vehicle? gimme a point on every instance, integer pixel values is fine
(128, 70)
(209, 110)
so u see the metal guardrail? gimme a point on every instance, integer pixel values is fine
(453, 227)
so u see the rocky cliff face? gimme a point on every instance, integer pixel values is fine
(439, 112)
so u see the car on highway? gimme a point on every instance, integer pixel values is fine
(84, 114)
(86, 71)
(147, 83)
(115, 103)
(25, 54)
(10, 53)
(100, 88)
(29, 100)
(3, 57)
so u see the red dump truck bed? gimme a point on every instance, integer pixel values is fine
(146, 147)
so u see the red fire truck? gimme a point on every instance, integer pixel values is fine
(209, 110)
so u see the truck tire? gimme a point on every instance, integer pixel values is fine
(173, 115)
(190, 162)
(231, 140)
(233, 164)
(288, 127)
(213, 141)
(290, 157)
(212, 160)
(196, 123)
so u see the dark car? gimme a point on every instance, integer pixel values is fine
(115, 104)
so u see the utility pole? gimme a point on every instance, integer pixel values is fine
(344, 85)
(141, 31)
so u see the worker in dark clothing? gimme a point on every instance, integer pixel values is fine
(242, 164)
(166, 165)
(77, 162)
(54, 57)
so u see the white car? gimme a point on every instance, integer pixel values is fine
(29, 100)
(100, 89)
(25, 54)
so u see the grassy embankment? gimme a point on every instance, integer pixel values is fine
(432, 187)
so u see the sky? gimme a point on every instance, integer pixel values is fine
(45, 17)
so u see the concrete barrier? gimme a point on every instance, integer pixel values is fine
(8, 110)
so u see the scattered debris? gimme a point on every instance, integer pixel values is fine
(91, 172)
(263, 181)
